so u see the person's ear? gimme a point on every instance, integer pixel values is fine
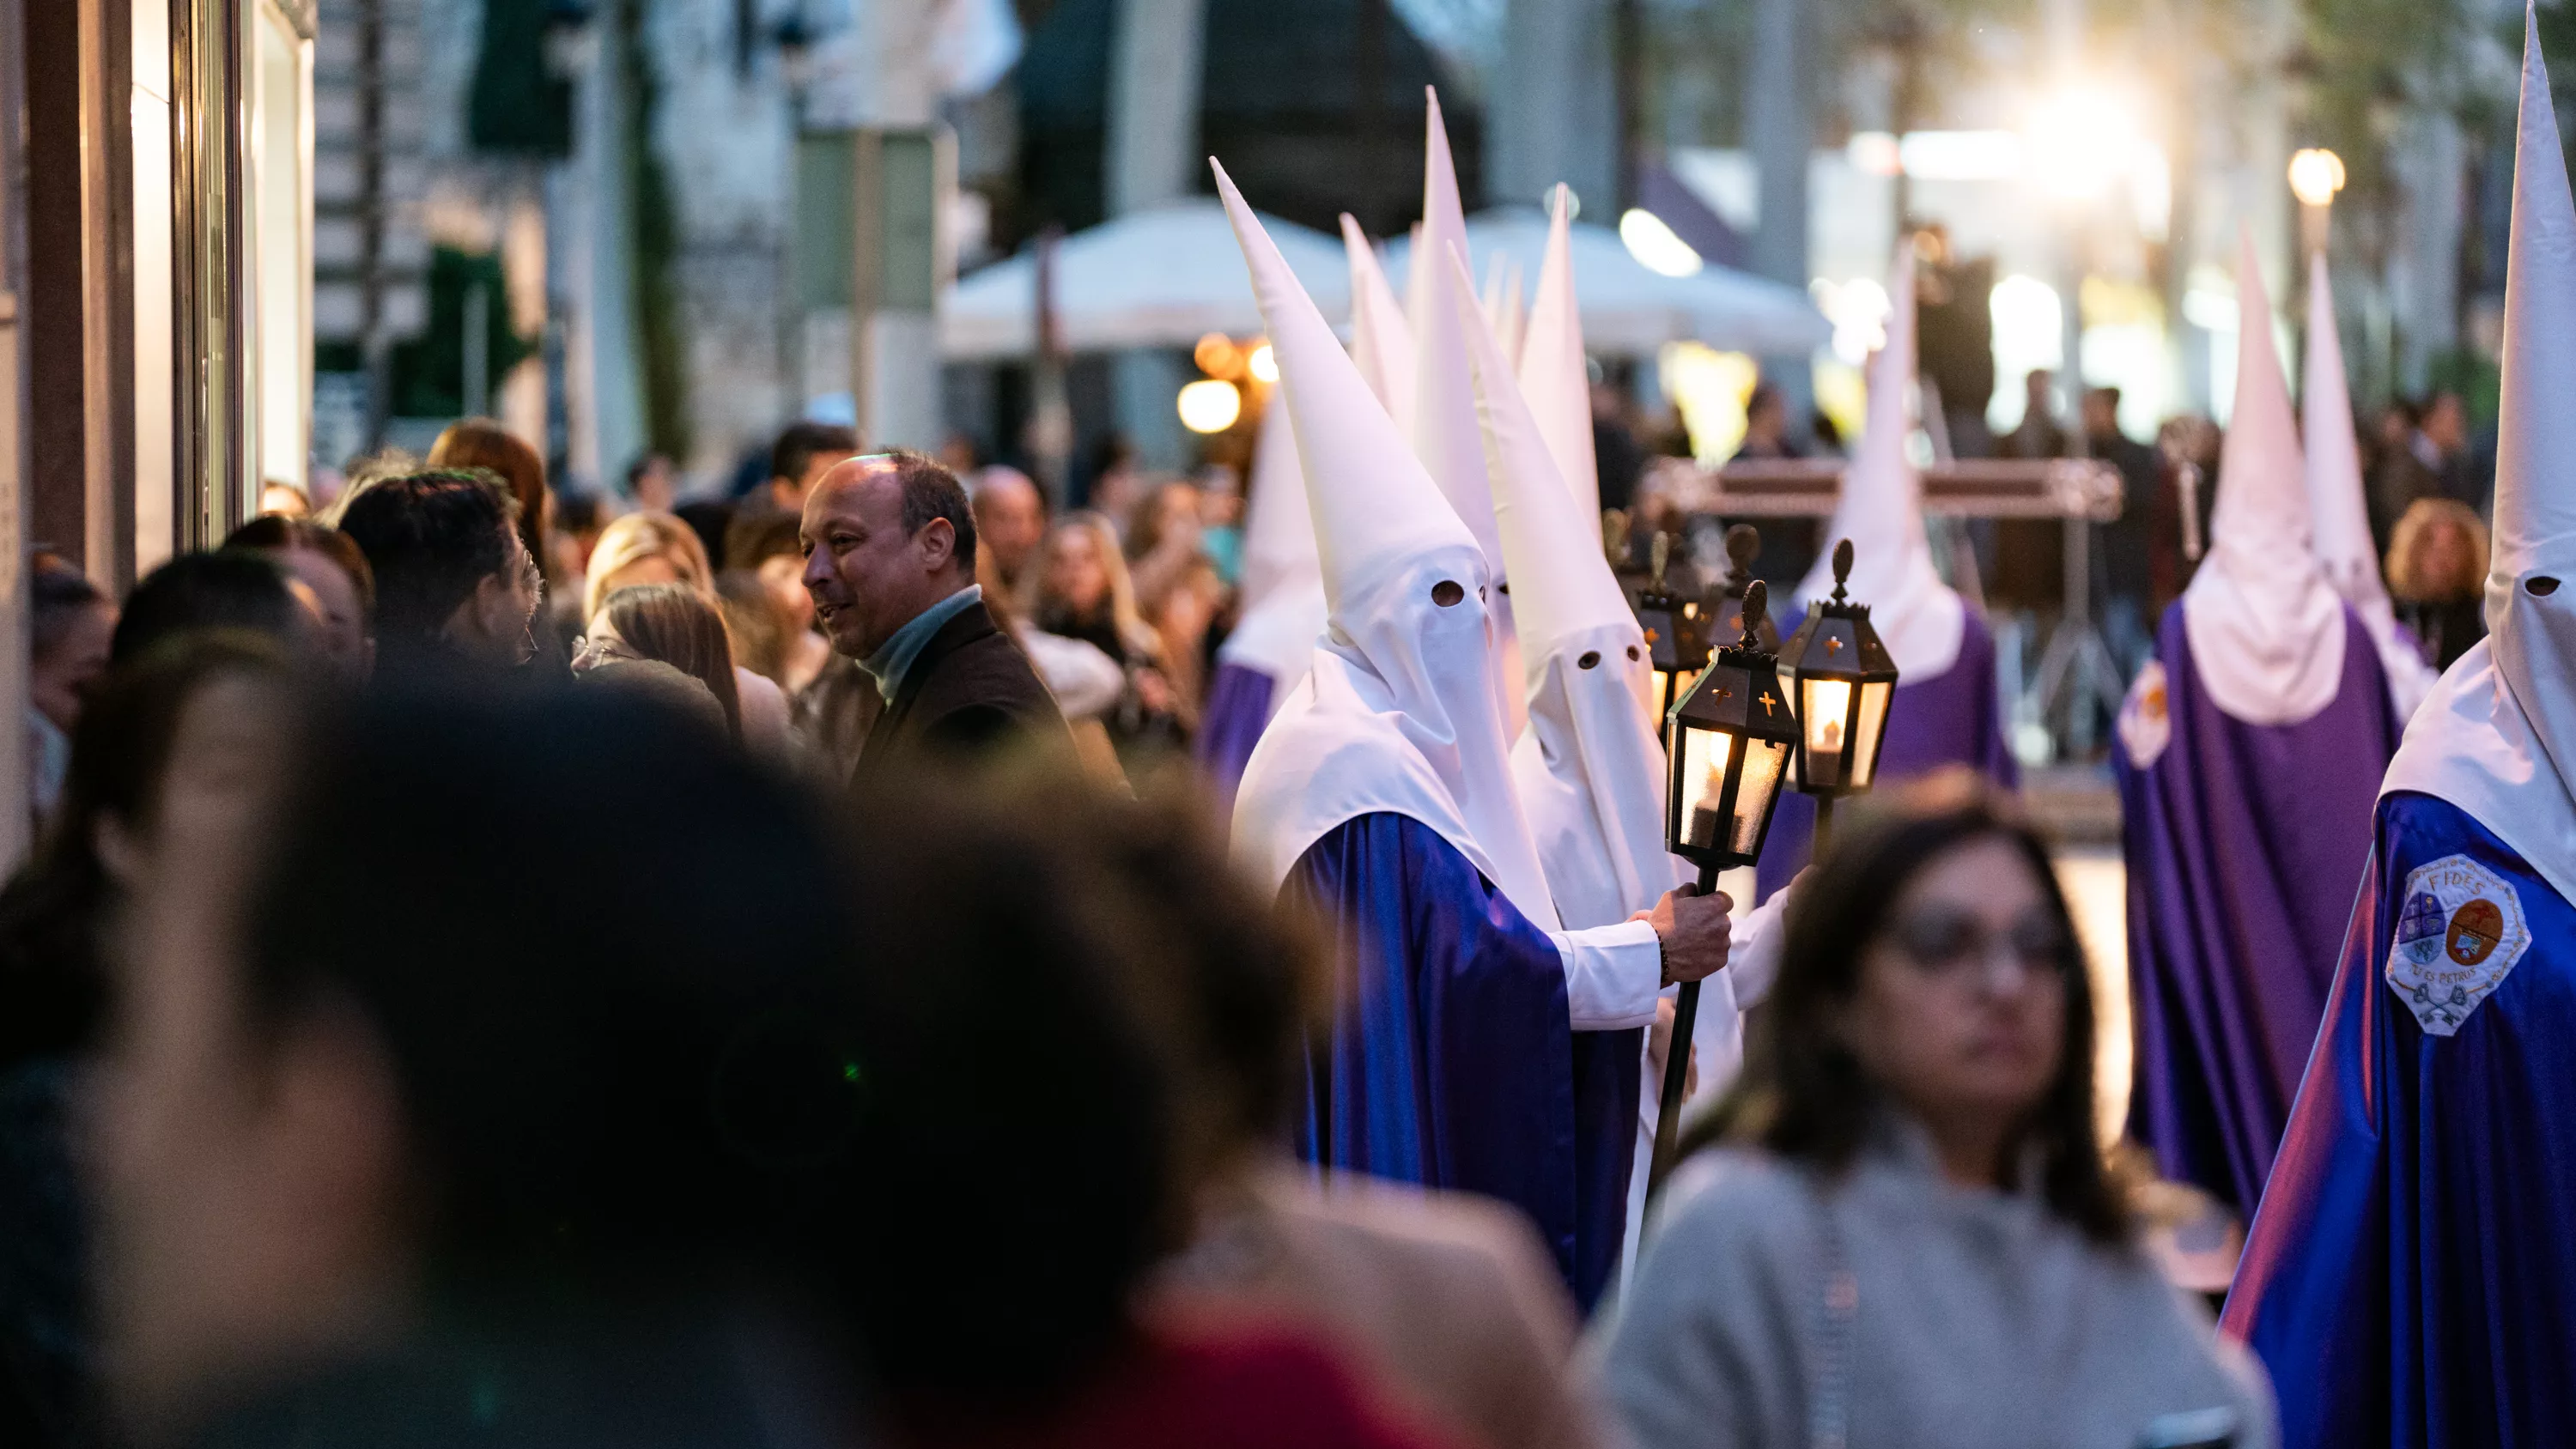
(938, 543)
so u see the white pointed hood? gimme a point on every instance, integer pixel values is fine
(1381, 340)
(2266, 629)
(1918, 617)
(1283, 578)
(2335, 507)
(1589, 770)
(1397, 715)
(1554, 377)
(2498, 736)
(1445, 433)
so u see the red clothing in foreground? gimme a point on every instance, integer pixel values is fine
(1201, 1383)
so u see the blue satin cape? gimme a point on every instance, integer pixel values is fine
(2410, 1279)
(1238, 710)
(1450, 1061)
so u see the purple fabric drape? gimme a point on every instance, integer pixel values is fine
(2240, 840)
(1238, 710)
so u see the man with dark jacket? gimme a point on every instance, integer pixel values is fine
(889, 546)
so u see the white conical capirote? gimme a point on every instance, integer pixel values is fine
(1369, 497)
(2266, 629)
(1562, 587)
(1283, 610)
(1445, 434)
(1554, 376)
(1919, 618)
(1381, 340)
(2336, 508)
(1399, 714)
(2535, 492)
(2497, 737)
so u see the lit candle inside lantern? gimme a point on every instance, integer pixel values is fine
(1828, 702)
(1708, 820)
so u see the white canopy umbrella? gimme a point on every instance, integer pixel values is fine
(1629, 309)
(1159, 278)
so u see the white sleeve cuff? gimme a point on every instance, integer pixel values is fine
(1753, 949)
(1612, 975)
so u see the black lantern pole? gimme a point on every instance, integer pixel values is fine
(1676, 636)
(1845, 681)
(1729, 741)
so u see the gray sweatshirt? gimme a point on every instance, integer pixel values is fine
(1975, 1319)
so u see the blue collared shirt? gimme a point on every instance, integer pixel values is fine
(894, 657)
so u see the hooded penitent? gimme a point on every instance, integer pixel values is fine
(1273, 641)
(1445, 434)
(2246, 782)
(1400, 714)
(2336, 510)
(1945, 711)
(1589, 769)
(1554, 376)
(1473, 1044)
(2408, 1277)
(1381, 340)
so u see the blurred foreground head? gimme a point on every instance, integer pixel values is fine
(524, 1012)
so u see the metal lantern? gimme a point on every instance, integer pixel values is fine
(1729, 743)
(1676, 634)
(1725, 605)
(1844, 681)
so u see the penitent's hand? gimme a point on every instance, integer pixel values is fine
(1693, 928)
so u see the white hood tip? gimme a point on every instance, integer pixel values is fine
(1554, 376)
(1445, 433)
(1368, 499)
(1381, 340)
(2266, 629)
(1918, 617)
(2337, 509)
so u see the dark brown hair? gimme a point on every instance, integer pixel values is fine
(676, 625)
(277, 533)
(483, 443)
(1807, 1097)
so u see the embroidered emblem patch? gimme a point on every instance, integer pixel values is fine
(2460, 932)
(2144, 724)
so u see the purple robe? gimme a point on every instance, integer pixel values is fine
(2407, 1280)
(1238, 710)
(1952, 718)
(1451, 1061)
(2240, 840)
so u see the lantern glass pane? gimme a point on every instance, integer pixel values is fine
(1873, 715)
(1704, 757)
(1827, 721)
(1764, 760)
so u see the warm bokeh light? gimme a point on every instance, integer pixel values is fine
(1265, 363)
(1217, 356)
(1210, 406)
(2081, 141)
(1655, 246)
(2315, 176)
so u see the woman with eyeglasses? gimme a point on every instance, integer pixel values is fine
(1909, 1236)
